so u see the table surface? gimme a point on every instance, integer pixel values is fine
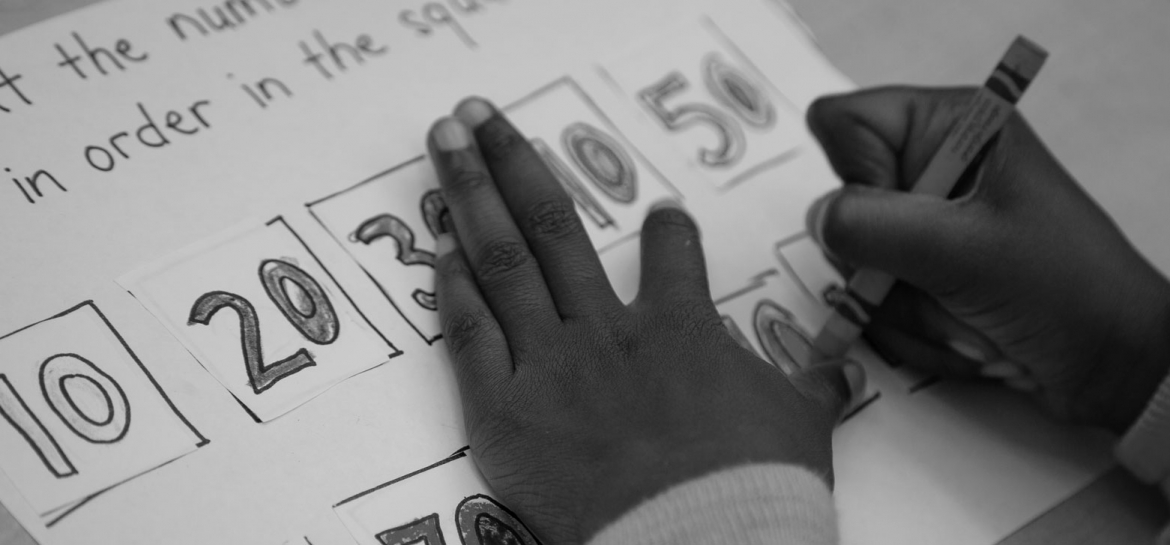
(1108, 73)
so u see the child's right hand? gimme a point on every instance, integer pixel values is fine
(1019, 266)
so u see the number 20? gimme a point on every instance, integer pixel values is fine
(299, 298)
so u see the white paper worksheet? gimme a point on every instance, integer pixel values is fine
(217, 224)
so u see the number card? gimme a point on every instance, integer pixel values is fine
(719, 110)
(388, 224)
(263, 316)
(81, 412)
(802, 258)
(446, 503)
(774, 319)
(612, 183)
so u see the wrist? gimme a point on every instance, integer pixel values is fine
(638, 470)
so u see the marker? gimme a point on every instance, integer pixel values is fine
(988, 112)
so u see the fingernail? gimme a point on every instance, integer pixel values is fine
(666, 204)
(446, 224)
(815, 218)
(445, 244)
(1002, 369)
(474, 111)
(968, 350)
(451, 135)
(1023, 384)
(855, 376)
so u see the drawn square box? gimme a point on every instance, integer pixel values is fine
(774, 318)
(446, 503)
(712, 102)
(388, 224)
(611, 181)
(262, 315)
(81, 412)
(803, 260)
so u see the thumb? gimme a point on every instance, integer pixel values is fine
(929, 242)
(838, 386)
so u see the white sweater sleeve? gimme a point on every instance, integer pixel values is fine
(1145, 448)
(756, 504)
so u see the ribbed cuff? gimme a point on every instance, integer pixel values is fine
(747, 505)
(1145, 448)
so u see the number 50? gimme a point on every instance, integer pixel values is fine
(731, 89)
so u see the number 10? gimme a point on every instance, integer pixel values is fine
(86, 400)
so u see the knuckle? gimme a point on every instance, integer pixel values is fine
(622, 338)
(464, 329)
(553, 218)
(500, 258)
(468, 179)
(502, 141)
(450, 267)
(694, 318)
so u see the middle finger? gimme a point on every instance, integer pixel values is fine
(543, 211)
(504, 268)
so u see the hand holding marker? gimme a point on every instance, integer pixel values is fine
(987, 114)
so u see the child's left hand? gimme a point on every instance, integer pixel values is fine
(579, 407)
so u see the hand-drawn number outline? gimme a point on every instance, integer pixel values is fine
(17, 413)
(604, 161)
(611, 155)
(434, 214)
(733, 90)
(479, 514)
(312, 315)
(57, 370)
(389, 226)
(475, 516)
(573, 186)
(785, 344)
